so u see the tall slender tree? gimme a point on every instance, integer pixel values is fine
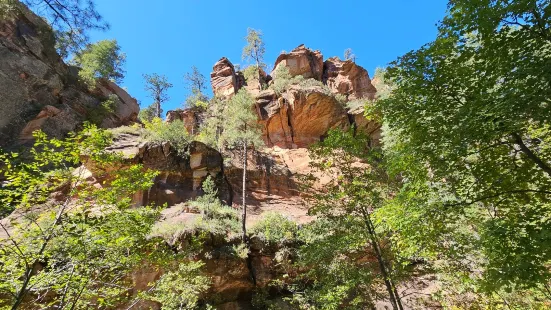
(157, 86)
(359, 186)
(242, 131)
(254, 50)
(195, 82)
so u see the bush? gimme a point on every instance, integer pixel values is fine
(175, 133)
(135, 129)
(250, 73)
(148, 114)
(180, 289)
(283, 79)
(355, 104)
(96, 115)
(275, 228)
(217, 218)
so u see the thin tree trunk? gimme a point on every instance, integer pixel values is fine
(518, 140)
(158, 108)
(396, 305)
(244, 211)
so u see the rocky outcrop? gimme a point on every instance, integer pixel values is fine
(191, 118)
(223, 79)
(38, 90)
(300, 117)
(273, 182)
(180, 176)
(126, 107)
(347, 78)
(302, 61)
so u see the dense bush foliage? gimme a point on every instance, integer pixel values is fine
(275, 228)
(174, 133)
(101, 60)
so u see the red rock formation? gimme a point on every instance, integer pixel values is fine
(302, 61)
(34, 82)
(347, 78)
(223, 79)
(273, 182)
(300, 117)
(180, 177)
(191, 118)
(126, 109)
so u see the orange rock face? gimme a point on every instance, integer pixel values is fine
(347, 78)
(223, 79)
(302, 61)
(300, 117)
(190, 117)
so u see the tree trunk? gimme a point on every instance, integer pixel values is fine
(244, 210)
(533, 157)
(392, 292)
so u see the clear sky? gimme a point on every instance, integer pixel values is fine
(170, 36)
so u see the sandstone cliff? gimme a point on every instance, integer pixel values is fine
(39, 91)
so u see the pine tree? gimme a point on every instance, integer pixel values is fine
(157, 86)
(242, 131)
(254, 50)
(102, 59)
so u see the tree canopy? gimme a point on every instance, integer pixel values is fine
(103, 59)
(467, 128)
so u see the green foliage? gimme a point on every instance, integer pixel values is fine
(101, 60)
(241, 125)
(283, 79)
(344, 232)
(275, 228)
(96, 115)
(148, 114)
(467, 128)
(197, 100)
(213, 125)
(182, 288)
(216, 217)
(254, 50)
(134, 129)
(332, 252)
(71, 21)
(174, 132)
(251, 74)
(195, 82)
(79, 247)
(7, 7)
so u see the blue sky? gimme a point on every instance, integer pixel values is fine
(170, 36)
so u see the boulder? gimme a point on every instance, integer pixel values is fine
(302, 61)
(347, 78)
(223, 79)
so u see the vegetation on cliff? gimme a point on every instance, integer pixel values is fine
(456, 191)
